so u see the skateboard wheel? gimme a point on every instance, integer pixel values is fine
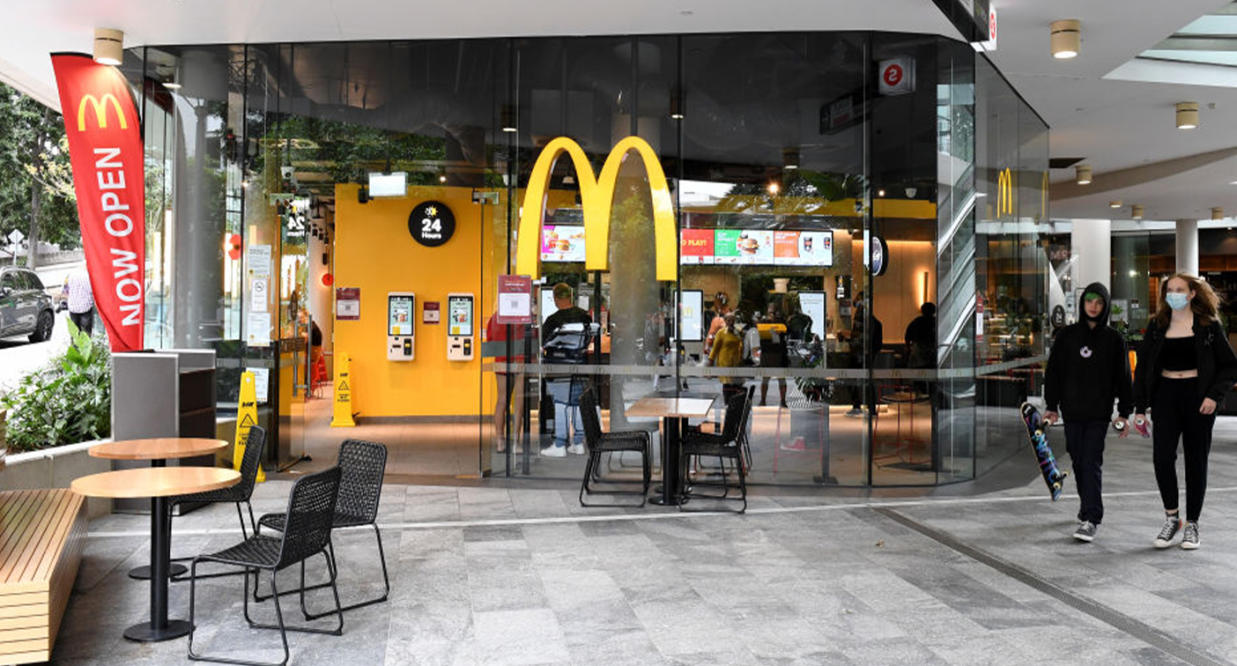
(1056, 486)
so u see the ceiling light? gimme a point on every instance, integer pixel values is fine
(1136, 212)
(790, 158)
(1066, 38)
(508, 118)
(1114, 204)
(1217, 213)
(880, 193)
(109, 46)
(173, 82)
(774, 188)
(1187, 115)
(442, 179)
(676, 104)
(1082, 174)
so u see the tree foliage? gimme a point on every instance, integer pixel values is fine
(36, 182)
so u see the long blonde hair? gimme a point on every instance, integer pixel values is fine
(1205, 304)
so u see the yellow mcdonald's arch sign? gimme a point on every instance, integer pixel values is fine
(597, 197)
(100, 111)
(1005, 193)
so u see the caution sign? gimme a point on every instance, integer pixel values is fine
(342, 415)
(246, 418)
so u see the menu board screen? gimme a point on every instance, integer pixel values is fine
(696, 246)
(562, 243)
(756, 247)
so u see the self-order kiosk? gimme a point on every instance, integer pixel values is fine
(460, 327)
(401, 308)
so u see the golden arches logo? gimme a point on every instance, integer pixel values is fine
(100, 111)
(1005, 193)
(597, 197)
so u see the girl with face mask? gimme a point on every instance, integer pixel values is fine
(1185, 366)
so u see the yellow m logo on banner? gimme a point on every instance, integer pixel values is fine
(100, 111)
(597, 197)
(1005, 193)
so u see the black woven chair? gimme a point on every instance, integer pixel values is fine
(729, 443)
(599, 442)
(363, 466)
(310, 511)
(251, 463)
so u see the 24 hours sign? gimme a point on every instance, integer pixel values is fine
(431, 223)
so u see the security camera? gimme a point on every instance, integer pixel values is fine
(286, 172)
(910, 192)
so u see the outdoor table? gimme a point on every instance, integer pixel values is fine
(157, 483)
(673, 409)
(158, 451)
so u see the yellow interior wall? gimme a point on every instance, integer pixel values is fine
(374, 251)
(898, 293)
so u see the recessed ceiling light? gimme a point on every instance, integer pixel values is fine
(1114, 204)
(1082, 174)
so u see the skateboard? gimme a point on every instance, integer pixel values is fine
(1053, 476)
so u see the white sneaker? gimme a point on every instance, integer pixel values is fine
(576, 449)
(553, 451)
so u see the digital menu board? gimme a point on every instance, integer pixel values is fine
(562, 243)
(756, 247)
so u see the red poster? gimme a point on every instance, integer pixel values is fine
(105, 148)
(696, 246)
(785, 245)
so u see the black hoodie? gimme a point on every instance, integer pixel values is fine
(1088, 368)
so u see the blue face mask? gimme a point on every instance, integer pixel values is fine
(1177, 300)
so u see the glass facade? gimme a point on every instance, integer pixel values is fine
(828, 188)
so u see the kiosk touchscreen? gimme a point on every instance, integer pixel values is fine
(459, 327)
(401, 306)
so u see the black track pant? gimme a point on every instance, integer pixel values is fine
(1084, 440)
(1174, 408)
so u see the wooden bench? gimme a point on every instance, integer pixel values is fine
(42, 533)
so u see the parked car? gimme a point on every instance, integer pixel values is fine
(25, 308)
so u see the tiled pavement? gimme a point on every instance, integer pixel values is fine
(515, 575)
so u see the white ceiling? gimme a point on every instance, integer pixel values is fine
(1115, 124)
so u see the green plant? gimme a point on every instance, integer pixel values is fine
(68, 402)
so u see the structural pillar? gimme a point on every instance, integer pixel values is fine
(1091, 244)
(1187, 247)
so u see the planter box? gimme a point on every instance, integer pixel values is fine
(56, 468)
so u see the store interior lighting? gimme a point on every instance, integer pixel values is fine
(1187, 115)
(1136, 212)
(109, 46)
(508, 118)
(1082, 174)
(1217, 213)
(790, 158)
(1114, 204)
(1066, 38)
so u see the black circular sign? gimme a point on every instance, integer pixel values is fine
(431, 223)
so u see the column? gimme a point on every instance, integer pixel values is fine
(1187, 247)
(1090, 243)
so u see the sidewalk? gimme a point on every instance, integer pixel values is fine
(521, 575)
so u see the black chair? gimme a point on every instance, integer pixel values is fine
(729, 443)
(363, 466)
(599, 442)
(307, 533)
(251, 463)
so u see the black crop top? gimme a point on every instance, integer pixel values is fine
(1178, 354)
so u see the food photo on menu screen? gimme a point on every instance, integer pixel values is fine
(562, 243)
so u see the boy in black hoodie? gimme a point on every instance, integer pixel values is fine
(1087, 368)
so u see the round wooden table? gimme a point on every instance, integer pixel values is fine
(157, 483)
(158, 451)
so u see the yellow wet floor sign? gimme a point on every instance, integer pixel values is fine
(246, 418)
(342, 414)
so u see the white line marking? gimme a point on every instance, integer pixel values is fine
(562, 520)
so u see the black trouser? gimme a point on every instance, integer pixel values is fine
(84, 321)
(1174, 406)
(1084, 440)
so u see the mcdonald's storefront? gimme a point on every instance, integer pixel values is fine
(321, 204)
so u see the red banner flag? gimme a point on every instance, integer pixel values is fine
(105, 148)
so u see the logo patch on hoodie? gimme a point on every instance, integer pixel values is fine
(1085, 352)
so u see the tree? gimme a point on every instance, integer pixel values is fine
(36, 182)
